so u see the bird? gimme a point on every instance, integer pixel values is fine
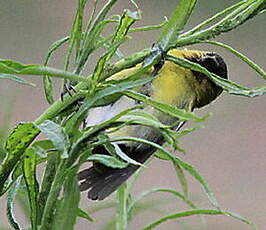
(175, 85)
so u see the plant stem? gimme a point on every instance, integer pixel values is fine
(121, 212)
(59, 105)
(48, 212)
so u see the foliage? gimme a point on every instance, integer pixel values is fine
(54, 201)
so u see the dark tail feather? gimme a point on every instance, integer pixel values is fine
(101, 183)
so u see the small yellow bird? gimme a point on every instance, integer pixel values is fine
(175, 85)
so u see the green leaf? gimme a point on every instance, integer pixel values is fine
(142, 118)
(48, 89)
(44, 144)
(127, 19)
(103, 61)
(155, 190)
(183, 132)
(75, 36)
(93, 34)
(182, 179)
(16, 79)
(20, 137)
(47, 81)
(29, 173)
(166, 155)
(124, 157)
(148, 28)
(165, 108)
(176, 23)
(109, 161)
(68, 209)
(193, 172)
(121, 208)
(253, 65)
(57, 135)
(10, 204)
(196, 212)
(84, 215)
(13, 67)
(47, 181)
(213, 18)
(53, 47)
(237, 17)
(17, 142)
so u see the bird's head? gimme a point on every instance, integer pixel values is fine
(206, 89)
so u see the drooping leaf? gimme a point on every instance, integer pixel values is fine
(10, 204)
(57, 135)
(16, 79)
(182, 179)
(142, 118)
(13, 67)
(109, 161)
(47, 181)
(196, 212)
(29, 173)
(17, 142)
(170, 191)
(123, 156)
(193, 172)
(165, 108)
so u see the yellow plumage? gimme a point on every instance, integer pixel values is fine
(173, 85)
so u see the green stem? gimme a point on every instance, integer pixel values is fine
(51, 72)
(48, 212)
(59, 105)
(121, 212)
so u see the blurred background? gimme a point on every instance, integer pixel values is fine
(229, 151)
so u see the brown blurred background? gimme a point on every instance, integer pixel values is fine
(229, 151)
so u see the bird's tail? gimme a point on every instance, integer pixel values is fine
(101, 183)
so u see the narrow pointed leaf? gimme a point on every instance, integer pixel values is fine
(196, 212)
(16, 79)
(68, 210)
(29, 173)
(10, 204)
(108, 161)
